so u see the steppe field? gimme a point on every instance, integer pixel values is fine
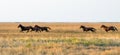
(63, 39)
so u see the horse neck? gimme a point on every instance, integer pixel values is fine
(38, 26)
(83, 27)
(105, 26)
(22, 26)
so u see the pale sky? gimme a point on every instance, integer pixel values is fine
(59, 10)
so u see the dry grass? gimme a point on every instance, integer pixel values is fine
(63, 39)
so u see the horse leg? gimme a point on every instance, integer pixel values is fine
(86, 30)
(106, 30)
(36, 30)
(92, 31)
(46, 30)
(112, 30)
(83, 30)
(39, 30)
(27, 31)
(31, 30)
(21, 30)
(115, 29)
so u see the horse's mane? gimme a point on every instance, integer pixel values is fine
(104, 26)
(82, 26)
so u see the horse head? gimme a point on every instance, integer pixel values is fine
(82, 26)
(103, 26)
(19, 25)
(36, 26)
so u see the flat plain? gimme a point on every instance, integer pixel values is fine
(63, 39)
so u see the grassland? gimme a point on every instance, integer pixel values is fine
(63, 39)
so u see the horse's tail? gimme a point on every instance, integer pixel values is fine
(115, 28)
(49, 28)
(94, 30)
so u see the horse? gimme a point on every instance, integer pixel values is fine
(106, 28)
(88, 28)
(43, 28)
(24, 28)
(36, 29)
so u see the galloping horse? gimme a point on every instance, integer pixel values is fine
(42, 28)
(88, 28)
(36, 29)
(24, 28)
(106, 28)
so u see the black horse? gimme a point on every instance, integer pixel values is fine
(88, 28)
(108, 28)
(38, 28)
(24, 28)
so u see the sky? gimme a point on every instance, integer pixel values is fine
(59, 10)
